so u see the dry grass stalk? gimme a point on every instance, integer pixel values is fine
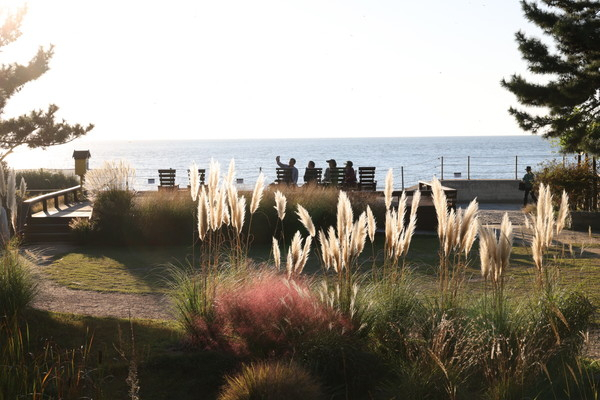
(371, 224)
(389, 188)
(345, 215)
(257, 194)
(276, 254)
(203, 214)
(194, 181)
(304, 217)
(280, 204)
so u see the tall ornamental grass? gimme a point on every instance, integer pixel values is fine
(17, 287)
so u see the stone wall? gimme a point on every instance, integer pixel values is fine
(486, 190)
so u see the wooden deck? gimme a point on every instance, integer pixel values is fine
(81, 209)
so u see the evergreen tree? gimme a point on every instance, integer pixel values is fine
(39, 128)
(570, 93)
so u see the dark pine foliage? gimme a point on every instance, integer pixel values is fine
(39, 128)
(570, 68)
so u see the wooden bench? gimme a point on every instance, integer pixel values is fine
(201, 176)
(166, 178)
(284, 176)
(425, 189)
(336, 177)
(366, 178)
(313, 175)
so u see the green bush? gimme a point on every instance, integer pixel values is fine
(165, 217)
(42, 179)
(82, 230)
(271, 381)
(17, 288)
(114, 217)
(579, 181)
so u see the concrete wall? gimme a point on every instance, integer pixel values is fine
(486, 190)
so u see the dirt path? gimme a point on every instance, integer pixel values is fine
(54, 297)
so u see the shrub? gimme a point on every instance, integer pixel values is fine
(165, 217)
(114, 217)
(43, 179)
(271, 381)
(82, 230)
(17, 288)
(579, 181)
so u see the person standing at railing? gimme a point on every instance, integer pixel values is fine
(291, 165)
(528, 179)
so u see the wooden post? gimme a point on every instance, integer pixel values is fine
(516, 167)
(442, 172)
(469, 167)
(402, 174)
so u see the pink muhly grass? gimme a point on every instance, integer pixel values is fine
(268, 314)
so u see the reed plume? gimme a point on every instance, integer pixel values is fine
(297, 255)
(344, 215)
(276, 254)
(389, 188)
(213, 178)
(494, 253)
(305, 219)
(280, 204)
(371, 224)
(257, 194)
(203, 214)
(194, 181)
(563, 213)
(230, 173)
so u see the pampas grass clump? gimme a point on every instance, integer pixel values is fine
(271, 381)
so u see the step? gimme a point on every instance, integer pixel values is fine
(37, 237)
(47, 228)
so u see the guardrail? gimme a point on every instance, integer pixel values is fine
(54, 196)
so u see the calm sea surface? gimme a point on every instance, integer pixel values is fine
(412, 159)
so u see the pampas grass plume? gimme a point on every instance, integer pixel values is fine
(276, 254)
(389, 188)
(257, 194)
(280, 204)
(304, 217)
(371, 224)
(194, 181)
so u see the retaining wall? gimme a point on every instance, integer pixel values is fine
(486, 190)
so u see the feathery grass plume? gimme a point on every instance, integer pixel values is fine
(11, 197)
(203, 214)
(389, 188)
(257, 194)
(505, 242)
(359, 235)
(345, 217)
(216, 205)
(486, 250)
(304, 217)
(230, 173)
(391, 231)
(194, 181)
(294, 253)
(371, 224)
(335, 252)
(2, 182)
(563, 213)
(280, 204)
(468, 227)
(276, 254)
(240, 214)
(325, 254)
(22, 188)
(301, 262)
(440, 204)
(213, 178)
(118, 175)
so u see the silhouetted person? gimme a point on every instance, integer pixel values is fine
(328, 172)
(291, 165)
(528, 179)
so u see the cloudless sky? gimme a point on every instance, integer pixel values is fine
(219, 69)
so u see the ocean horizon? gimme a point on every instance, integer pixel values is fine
(411, 158)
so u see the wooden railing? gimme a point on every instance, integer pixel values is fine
(71, 192)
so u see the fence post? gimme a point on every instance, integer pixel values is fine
(402, 174)
(442, 171)
(516, 167)
(469, 167)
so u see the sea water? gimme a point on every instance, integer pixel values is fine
(412, 159)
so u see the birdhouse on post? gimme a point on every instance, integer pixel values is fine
(82, 162)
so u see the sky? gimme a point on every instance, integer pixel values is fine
(229, 69)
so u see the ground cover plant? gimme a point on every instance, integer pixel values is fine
(380, 318)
